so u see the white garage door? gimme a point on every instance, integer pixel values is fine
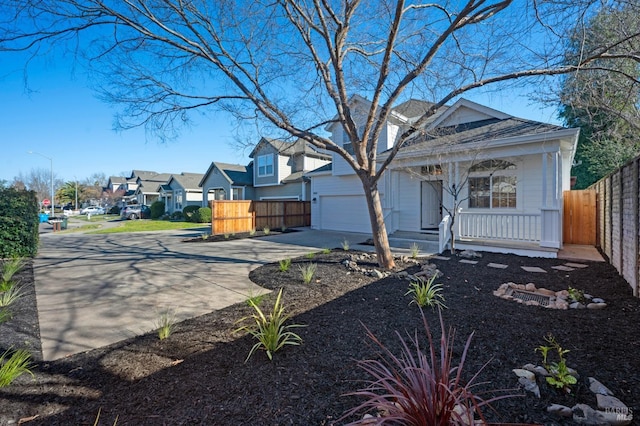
(344, 213)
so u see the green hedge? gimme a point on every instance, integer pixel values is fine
(157, 209)
(189, 211)
(202, 215)
(18, 223)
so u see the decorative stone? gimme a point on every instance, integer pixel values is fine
(521, 372)
(440, 257)
(529, 367)
(587, 296)
(541, 371)
(532, 303)
(610, 403)
(614, 418)
(576, 265)
(469, 262)
(597, 300)
(546, 292)
(470, 254)
(533, 269)
(596, 305)
(530, 386)
(598, 388)
(576, 305)
(561, 304)
(563, 268)
(559, 410)
(530, 287)
(585, 415)
(497, 265)
(378, 274)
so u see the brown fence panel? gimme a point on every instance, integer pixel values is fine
(242, 216)
(579, 217)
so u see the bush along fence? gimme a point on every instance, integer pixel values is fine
(235, 216)
(18, 223)
(618, 217)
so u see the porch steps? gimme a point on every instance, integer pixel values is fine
(415, 236)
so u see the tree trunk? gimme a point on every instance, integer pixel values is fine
(452, 236)
(378, 228)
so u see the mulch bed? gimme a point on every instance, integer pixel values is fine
(199, 375)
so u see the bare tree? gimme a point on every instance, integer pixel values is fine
(293, 66)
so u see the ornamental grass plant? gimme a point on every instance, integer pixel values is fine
(420, 386)
(13, 365)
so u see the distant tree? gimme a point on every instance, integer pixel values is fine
(292, 67)
(604, 101)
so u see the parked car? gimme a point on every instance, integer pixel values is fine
(135, 211)
(92, 210)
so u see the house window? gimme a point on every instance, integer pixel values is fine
(493, 185)
(265, 165)
(237, 193)
(178, 200)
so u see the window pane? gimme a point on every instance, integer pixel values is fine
(479, 192)
(503, 192)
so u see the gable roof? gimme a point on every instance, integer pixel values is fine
(143, 174)
(189, 181)
(286, 148)
(236, 174)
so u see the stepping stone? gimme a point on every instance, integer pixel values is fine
(576, 265)
(497, 265)
(533, 269)
(563, 268)
(470, 262)
(440, 257)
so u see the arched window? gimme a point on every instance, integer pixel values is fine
(492, 185)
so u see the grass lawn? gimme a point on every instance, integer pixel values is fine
(150, 225)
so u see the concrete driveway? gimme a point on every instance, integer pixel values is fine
(94, 290)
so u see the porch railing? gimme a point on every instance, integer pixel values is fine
(499, 226)
(443, 233)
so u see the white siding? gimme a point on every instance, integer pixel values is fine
(283, 167)
(344, 213)
(326, 186)
(464, 115)
(310, 163)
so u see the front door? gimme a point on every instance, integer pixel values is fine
(431, 204)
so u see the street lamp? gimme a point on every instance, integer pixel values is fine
(52, 190)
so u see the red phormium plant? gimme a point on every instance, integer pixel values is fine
(420, 388)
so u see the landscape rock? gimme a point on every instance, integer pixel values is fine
(585, 415)
(559, 410)
(597, 300)
(521, 372)
(596, 305)
(530, 386)
(598, 388)
(576, 305)
(470, 254)
(611, 403)
(614, 418)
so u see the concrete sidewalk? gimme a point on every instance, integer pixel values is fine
(94, 290)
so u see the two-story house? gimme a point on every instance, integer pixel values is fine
(180, 191)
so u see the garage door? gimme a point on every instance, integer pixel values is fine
(344, 213)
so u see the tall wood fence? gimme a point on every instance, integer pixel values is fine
(579, 217)
(618, 221)
(234, 216)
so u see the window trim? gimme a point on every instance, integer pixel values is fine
(266, 158)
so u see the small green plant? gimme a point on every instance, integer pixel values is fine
(10, 296)
(284, 265)
(560, 375)
(252, 232)
(414, 249)
(310, 255)
(254, 299)
(6, 285)
(345, 245)
(270, 330)
(204, 236)
(576, 295)
(326, 251)
(5, 315)
(266, 230)
(226, 236)
(283, 228)
(13, 366)
(308, 271)
(166, 324)
(426, 293)
(11, 267)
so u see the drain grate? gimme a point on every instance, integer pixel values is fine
(526, 296)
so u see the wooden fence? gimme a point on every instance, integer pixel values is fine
(579, 217)
(619, 221)
(235, 216)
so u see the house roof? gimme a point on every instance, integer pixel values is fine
(321, 169)
(295, 177)
(142, 174)
(236, 174)
(189, 181)
(300, 146)
(117, 179)
(478, 131)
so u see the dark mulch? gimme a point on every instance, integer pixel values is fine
(235, 236)
(198, 375)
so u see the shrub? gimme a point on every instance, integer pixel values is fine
(14, 365)
(177, 216)
(270, 330)
(426, 293)
(189, 211)
(114, 210)
(10, 296)
(18, 223)
(203, 215)
(420, 387)
(560, 376)
(157, 209)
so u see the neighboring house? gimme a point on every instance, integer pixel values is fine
(279, 169)
(180, 191)
(146, 191)
(224, 181)
(116, 183)
(510, 173)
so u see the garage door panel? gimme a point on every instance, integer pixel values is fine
(344, 213)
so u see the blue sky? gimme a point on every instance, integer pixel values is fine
(62, 119)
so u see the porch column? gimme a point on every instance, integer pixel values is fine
(550, 217)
